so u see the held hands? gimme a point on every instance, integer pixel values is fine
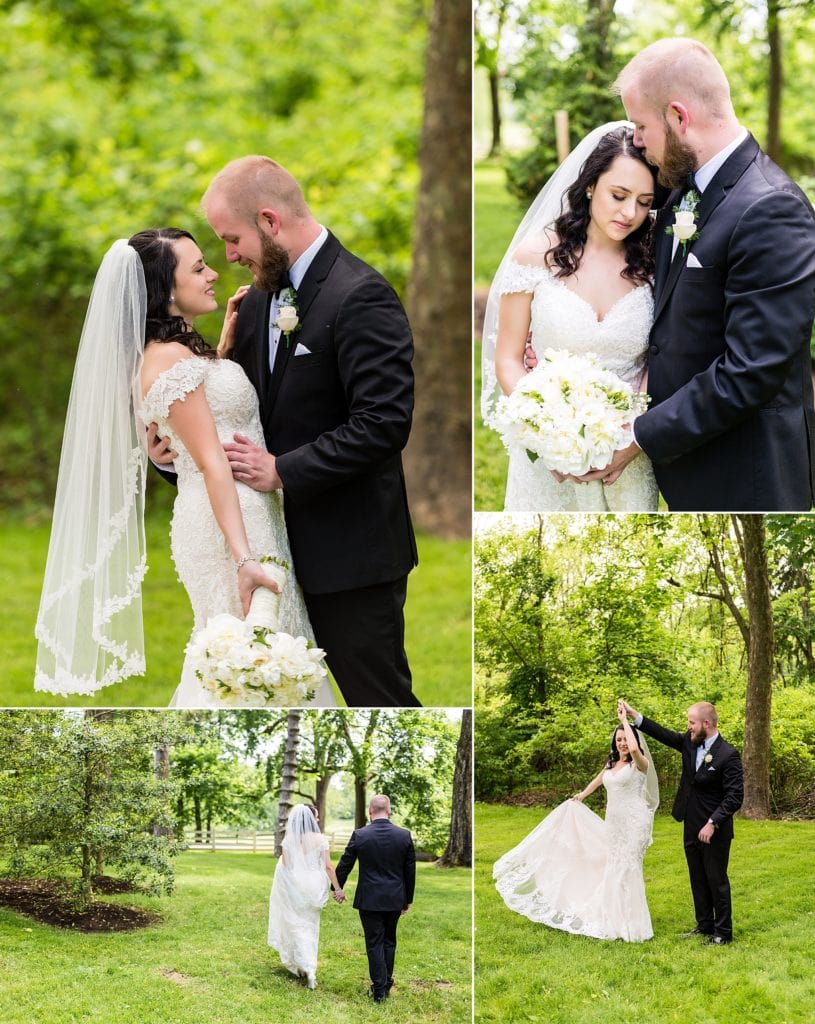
(159, 449)
(227, 342)
(339, 896)
(627, 710)
(611, 473)
(252, 465)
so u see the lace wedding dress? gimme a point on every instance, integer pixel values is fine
(581, 874)
(299, 893)
(561, 319)
(202, 557)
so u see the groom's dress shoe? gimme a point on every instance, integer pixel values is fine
(375, 997)
(694, 932)
(718, 940)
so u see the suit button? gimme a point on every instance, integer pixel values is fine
(653, 349)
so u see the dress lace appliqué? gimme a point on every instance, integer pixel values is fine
(201, 555)
(561, 319)
(581, 874)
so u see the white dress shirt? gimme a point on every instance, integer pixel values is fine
(297, 271)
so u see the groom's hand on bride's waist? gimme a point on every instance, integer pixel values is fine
(159, 449)
(252, 465)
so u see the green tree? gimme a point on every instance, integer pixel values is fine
(76, 789)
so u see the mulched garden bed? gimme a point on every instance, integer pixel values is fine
(45, 901)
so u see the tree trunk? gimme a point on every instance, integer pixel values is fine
(438, 457)
(320, 796)
(757, 725)
(459, 852)
(775, 82)
(288, 779)
(199, 822)
(495, 107)
(360, 801)
(161, 766)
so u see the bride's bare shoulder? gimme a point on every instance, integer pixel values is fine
(534, 249)
(160, 356)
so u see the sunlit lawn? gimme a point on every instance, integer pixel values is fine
(528, 972)
(207, 960)
(437, 621)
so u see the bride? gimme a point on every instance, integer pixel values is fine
(299, 893)
(141, 361)
(581, 874)
(578, 274)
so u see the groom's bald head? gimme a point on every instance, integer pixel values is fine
(380, 806)
(681, 70)
(252, 183)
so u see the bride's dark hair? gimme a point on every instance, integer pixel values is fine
(156, 252)
(572, 226)
(614, 753)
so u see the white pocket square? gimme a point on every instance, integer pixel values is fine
(693, 262)
(301, 350)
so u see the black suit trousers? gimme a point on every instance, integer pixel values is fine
(369, 663)
(707, 867)
(380, 945)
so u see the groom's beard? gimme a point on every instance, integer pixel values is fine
(678, 161)
(273, 273)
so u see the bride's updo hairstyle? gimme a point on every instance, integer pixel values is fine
(614, 753)
(156, 252)
(572, 226)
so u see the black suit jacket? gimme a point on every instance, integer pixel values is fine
(337, 418)
(714, 793)
(387, 866)
(731, 424)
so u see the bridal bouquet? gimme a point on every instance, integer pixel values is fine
(570, 412)
(249, 662)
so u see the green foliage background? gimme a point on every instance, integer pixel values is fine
(117, 120)
(573, 612)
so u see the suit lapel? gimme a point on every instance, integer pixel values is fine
(309, 289)
(724, 179)
(664, 248)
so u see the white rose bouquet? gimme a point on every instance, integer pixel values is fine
(570, 413)
(249, 662)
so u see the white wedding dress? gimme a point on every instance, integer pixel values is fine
(299, 893)
(581, 874)
(563, 320)
(202, 557)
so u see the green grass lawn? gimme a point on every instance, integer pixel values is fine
(437, 621)
(207, 960)
(497, 215)
(528, 972)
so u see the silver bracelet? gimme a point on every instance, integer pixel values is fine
(244, 559)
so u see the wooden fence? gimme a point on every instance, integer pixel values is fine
(250, 840)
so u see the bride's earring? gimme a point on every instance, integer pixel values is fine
(588, 193)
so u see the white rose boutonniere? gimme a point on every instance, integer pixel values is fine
(708, 758)
(684, 225)
(288, 317)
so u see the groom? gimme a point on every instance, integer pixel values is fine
(336, 401)
(730, 426)
(711, 790)
(387, 878)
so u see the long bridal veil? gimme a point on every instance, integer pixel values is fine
(89, 624)
(299, 892)
(547, 206)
